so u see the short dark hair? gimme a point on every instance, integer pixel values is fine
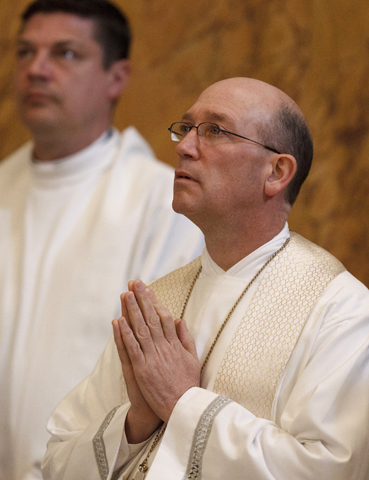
(112, 29)
(288, 132)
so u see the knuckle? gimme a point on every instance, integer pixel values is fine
(153, 321)
(143, 332)
(136, 350)
(163, 312)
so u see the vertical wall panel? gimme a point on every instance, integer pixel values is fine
(316, 51)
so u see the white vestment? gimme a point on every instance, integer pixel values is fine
(318, 425)
(73, 232)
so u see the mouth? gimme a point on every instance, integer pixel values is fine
(182, 175)
(37, 97)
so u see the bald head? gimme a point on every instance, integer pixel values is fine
(254, 94)
(276, 118)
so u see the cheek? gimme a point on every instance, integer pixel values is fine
(228, 176)
(93, 89)
(220, 188)
(81, 91)
(238, 183)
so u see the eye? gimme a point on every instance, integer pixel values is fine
(69, 54)
(23, 52)
(184, 128)
(65, 53)
(214, 129)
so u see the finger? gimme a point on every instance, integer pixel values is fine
(127, 368)
(139, 327)
(122, 352)
(149, 312)
(124, 307)
(131, 346)
(185, 336)
(167, 323)
(165, 316)
(123, 304)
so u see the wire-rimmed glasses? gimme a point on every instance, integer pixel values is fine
(209, 133)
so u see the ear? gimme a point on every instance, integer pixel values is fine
(119, 74)
(281, 171)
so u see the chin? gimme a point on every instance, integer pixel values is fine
(184, 208)
(36, 121)
(177, 207)
(180, 202)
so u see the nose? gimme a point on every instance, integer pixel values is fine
(39, 65)
(189, 146)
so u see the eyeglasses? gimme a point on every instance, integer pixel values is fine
(209, 133)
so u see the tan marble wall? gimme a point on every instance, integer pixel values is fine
(317, 51)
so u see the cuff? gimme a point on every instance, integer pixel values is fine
(173, 455)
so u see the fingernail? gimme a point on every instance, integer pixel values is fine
(139, 285)
(130, 296)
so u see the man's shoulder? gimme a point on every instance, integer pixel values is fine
(310, 253)
(18, 157)
(136, 150)
(312, 261)
(14, 166)
(142, 171)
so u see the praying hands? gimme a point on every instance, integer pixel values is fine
(158, 357)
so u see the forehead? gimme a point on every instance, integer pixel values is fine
(232, 106)
(57, 27)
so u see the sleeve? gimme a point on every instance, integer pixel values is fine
(87, 427)
(321, 413)
(34, 473)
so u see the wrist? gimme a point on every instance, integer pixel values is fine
(138, 428)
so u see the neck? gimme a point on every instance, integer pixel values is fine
(51, 145)
(227, 247)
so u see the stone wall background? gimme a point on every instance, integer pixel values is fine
(317, 51)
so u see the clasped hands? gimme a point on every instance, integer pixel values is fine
(159, 360)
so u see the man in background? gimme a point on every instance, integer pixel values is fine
(83, 209)
(251, 362)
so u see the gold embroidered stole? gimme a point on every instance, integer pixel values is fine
(271, 326)
(172, 289)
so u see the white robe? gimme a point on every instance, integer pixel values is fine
(73, 232)
(320, 413)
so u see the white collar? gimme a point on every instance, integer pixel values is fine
(78, 166)
(248, 266)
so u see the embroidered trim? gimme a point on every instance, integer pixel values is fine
(201, 437)
(99, 446)
(265, 338)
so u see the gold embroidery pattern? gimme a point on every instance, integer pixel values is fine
(172, 288)
(201, 437)
(269, 330)
(99, 446)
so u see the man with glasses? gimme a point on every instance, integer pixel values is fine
(83, 209)
(251, 362)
